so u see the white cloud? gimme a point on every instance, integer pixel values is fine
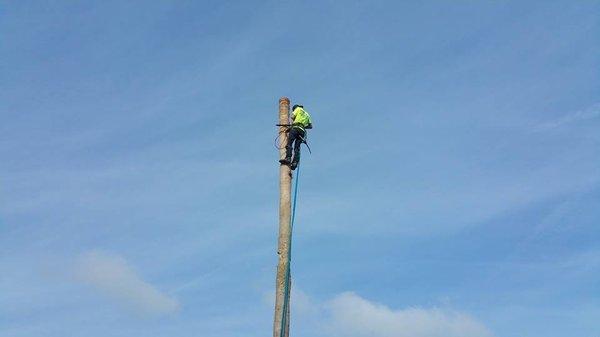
(353, 316)
(112, 276)
(349, 315)
(577, 116)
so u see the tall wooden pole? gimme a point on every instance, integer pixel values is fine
(283, 248)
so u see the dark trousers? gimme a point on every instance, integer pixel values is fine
(295, 137)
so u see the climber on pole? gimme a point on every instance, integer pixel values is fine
(296, 135)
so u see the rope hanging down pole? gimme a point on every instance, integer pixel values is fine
(286, 300)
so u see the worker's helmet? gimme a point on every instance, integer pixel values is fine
(297, 106)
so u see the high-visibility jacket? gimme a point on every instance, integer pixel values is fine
(301, 118)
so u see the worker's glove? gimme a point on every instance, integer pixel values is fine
(309, 126)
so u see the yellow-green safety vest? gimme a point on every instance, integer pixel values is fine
(300, 118)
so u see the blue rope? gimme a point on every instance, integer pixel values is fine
(286, 298)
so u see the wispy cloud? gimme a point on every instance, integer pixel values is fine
(111, 275)
(577, 116)
(354, 316)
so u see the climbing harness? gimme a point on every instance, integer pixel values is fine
(286, 130)
(286, 289)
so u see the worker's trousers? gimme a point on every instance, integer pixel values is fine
(295, 138)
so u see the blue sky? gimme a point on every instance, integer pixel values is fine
(452, 190)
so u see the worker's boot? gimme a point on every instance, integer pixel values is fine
(285, 161)
(293, 165)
